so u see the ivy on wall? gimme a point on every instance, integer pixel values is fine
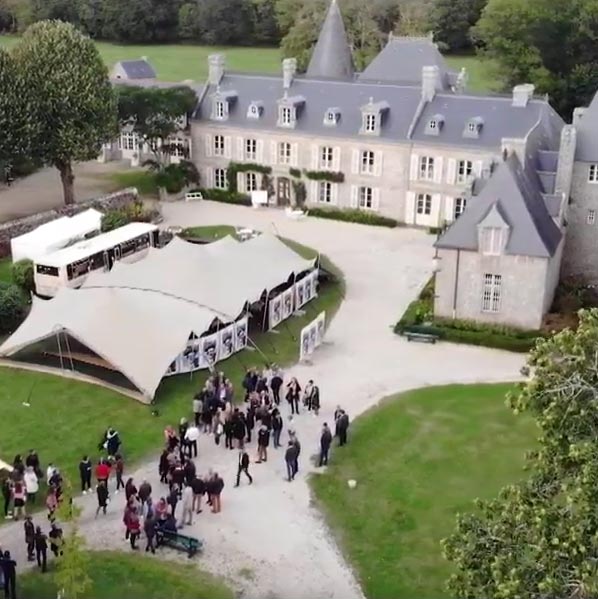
(325, 176)
(237, 167)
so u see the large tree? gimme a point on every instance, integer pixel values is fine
(225, 22)
(69, 97)
(551, 44)
(451, 21)
(539, 538)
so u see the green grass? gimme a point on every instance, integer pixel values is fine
(482, 76)
(419, 459)
(67, 418)
(116, 575)
(5, 270)
(177, 62)
(210, 233)
(143, 180)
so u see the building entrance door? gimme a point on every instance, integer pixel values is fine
(283, 192)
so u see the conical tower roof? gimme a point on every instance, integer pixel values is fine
(332, 57)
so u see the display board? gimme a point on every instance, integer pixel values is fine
(312, 336)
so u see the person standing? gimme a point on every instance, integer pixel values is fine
(277, 424)
(249, 421)
(145, 492)
(149, 527)
(218, 486)
(55, 539)
(342, 426)
(102, 493)
(325, 442)
(103, 472)
(315, 399)
(32, 460)
(130, 490)
(41, 548)
(197, 408)
(243, 467)
(51, 502)
(85, 474)
(293, 395)
(18, 500)
(6, 494)
(199, 488)
(276, 383)
(263, 440)
(29, 538)
(173, 499)
(290, 458)
(9, 569)
(119, 468)
(133, 527)
(31, 484)
(187, 502)
(191, 439)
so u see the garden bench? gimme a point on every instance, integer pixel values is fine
(423, 337)
(178, 541)
(193, 195)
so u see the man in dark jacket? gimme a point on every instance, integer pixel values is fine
(85, 469)
(149, 527)
(144, 491)
(41, 548)
(249, 422)
(275, 385)
(342, 425)
(190, 472)
(30, 538)
(263, 440)
(325, 442)
(9, 569)
(290, 457)
(102, 493)
(239, 428)
(199, 488)
(32, 460)
(277, 424)
(217, 487)
(243, 467)
(55, 539)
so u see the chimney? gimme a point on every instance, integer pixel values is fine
(289, 68)
(430, 82)
(522, 94)
(577, 115)
(216, 68)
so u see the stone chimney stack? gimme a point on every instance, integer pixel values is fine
(216, 68)
(522, 94)
(289, 69)
(430, 82)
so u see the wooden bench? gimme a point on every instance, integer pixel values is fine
(423, 337)
(178, 541)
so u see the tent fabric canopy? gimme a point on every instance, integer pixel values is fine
(138, 317)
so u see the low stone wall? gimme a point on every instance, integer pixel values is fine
(20, 226)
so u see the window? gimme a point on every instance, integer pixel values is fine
(286, 115)
(593, 173)
(177, 148)
(219, 110)
(426, 168)
(326, 157)
(492, 240)
(433, 124)
(366, 195)
(472, 127)
(424, 203)
(331, 118)
(220, 178)
(284, 152)
(491, 293)
(591, 218)
(370, 123)
(460, 204)
(464, 170)
(325, 192)
(367, 162)
(250, 149)
(250, 182)
(129, 141)
(50, 271)
(218, 145)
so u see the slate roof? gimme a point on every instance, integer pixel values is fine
(519, 200)
(402, 60)
(331, 57)
(137, 69)
(587, 134)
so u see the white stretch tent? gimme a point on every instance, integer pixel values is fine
(55, 235)
(138, 317)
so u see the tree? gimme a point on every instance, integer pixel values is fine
(91, 17)
(13, 307)
(265, 25)
(188, 21)
(550, 44)
(225, 22)
(539, 538)
(451, 21)
(22, 275)
(69, 97)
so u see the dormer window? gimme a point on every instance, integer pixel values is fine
(491, 240)
(371, 123)
(372, 115)
(473, 127)
(286, 115)
(221, 104)
(220, 110)
(332, 117)
(255, 110)
(435, 125)
(288, 110)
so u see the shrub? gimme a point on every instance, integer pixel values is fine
(135, 212)
(226, 196)
(353, 215)
(22, 275)
(13, 307)
(333, 177)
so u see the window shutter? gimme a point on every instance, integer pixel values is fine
(376, 199)
(228, 147)
(240, 153)
(478, 167)
(209, 142)
(259, 151)
(210, 178)
(334, 194)
(449, 209)
(378, 159)
(410, 208)
(438, 164)
(451, 174)
(436, 212)
(273, 152)
(314, 157)
(354, 196)
(295, 155)
(355, 162)
(413, 171)
(314, 192)
(241, 182)
(336, 159)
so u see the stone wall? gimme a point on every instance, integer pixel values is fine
(20, 226)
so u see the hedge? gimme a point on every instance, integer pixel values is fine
(331, 176)
(353, 215)
(22, 275)
(225, 196)
(13, 307)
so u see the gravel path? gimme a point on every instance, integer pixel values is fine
(270, 540)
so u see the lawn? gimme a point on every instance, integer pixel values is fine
(5, 270)
(143, 180)
(116, 575)
(67, 418)
(177, 62)
(419, 459)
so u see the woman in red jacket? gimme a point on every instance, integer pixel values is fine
(133, 526)
(103, 471)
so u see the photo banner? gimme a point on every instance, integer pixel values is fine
(288, 303)
(312, 336)
(209, 349)
(240, 328)
(299, 294)
(275, 311)
(227, 342)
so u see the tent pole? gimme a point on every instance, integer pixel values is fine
(68, 349)
(59, 349)
(266, 311)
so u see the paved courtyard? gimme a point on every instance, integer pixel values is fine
(270, 540)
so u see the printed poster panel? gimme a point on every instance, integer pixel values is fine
(209, 349)
(314, 276)
(304, 349)
(240, 328)
(299, 294)
(227, 342)
(190, 359)
(307, 290)
(275, 311)
(312, 335)
(320, 327)
(287, 303)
